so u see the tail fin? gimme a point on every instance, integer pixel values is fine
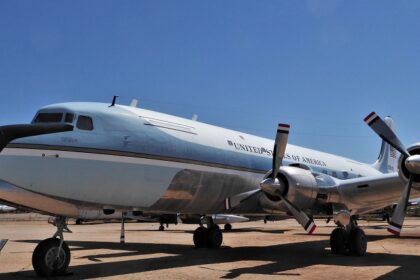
(388, 156)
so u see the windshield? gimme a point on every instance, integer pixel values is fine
(48, 117)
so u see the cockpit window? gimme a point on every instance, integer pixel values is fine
(69, 118)
(84, 123)
(48, 117)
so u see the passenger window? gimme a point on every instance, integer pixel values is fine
(48, 117)
(324, 171)
(84, 123)
(69, 118)
(334, 174)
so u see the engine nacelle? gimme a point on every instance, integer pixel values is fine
(298, 186)
(402, 169)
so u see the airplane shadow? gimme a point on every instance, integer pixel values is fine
(281, 258)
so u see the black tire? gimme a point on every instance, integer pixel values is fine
(44, 256)
(215, 238)
(358, 242)
(338, 241)
(161, 228)
(79, 221)
(200, 237)
(227, 227)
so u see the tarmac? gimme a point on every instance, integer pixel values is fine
(253, 250)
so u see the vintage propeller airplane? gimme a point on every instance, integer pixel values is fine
(77, 156)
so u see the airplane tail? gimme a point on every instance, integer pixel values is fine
(387, 161)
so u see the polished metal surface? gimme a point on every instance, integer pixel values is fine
(413, 164)
(199, 192)
(36, 201)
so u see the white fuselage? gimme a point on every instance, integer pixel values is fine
(152, 161)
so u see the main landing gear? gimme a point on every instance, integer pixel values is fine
(209, 237)
(52, 256)
(349, 240)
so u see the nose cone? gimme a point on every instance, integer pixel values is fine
(274, 187)
(413, 164)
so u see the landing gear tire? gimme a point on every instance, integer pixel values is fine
(357, 242)
(214, 238)
(200, 237)
(79, 221)
(227, 227)
(338, 241)
(161, 228)
(45, 261)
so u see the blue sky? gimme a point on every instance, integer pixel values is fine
(319, 65)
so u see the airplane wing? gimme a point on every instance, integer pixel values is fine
(358, 195)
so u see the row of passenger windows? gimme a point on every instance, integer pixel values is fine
(83, 122)
(342, 175)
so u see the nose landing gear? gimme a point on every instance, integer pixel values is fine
(52, 256)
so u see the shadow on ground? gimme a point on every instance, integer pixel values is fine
(281, 258)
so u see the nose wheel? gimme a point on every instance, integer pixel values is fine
(52, 256)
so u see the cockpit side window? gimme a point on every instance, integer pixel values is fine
(48, 117)
(69, 118)
(84, 123)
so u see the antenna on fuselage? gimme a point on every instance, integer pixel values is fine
(114, 99)
(134, 103)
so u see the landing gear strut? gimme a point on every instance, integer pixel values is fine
(210, 237)
(349, 240)
(52, 256)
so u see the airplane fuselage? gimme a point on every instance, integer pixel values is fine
(126, 157)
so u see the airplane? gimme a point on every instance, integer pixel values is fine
(122, 158)
(225, 219)
(5, 209)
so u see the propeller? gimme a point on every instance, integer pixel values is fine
(273, 186)
(9, 133)
(276, 187)
(411, 162)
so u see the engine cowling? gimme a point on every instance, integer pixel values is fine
(295, 184)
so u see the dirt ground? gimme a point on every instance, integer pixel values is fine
(277, 250)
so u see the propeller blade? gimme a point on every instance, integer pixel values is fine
(233, 201)
(386, 133)
(9, 133)
(398, 216)
(3, 243)
(279, 147)
(307, 223)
